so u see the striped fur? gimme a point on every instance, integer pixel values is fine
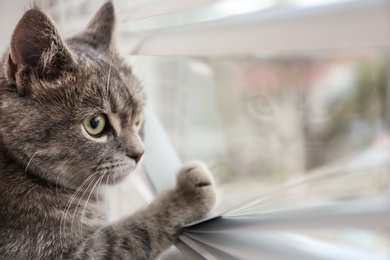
(51, 169)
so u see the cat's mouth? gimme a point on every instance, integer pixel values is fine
(117, 171)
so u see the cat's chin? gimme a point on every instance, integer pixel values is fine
(119, 174)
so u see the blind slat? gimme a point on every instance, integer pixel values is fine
(161, 9)
(368, 213)
(274, 245)
(351, 24)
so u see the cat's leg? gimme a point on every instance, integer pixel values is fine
(147, 233)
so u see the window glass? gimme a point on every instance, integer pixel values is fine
(259, 120)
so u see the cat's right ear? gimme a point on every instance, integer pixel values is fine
(99, 33)
(36, 49)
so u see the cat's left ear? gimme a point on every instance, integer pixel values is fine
(100, 30)
(36, 49)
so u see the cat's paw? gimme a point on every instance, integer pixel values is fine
(196, 186)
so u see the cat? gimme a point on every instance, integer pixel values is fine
(71, 120)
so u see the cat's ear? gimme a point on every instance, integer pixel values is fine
(37, 49)
(100, 30)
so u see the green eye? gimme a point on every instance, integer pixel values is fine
(94, 125)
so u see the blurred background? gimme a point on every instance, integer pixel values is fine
(266, 93)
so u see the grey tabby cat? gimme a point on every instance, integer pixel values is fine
(71, 120)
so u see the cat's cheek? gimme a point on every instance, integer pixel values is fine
(77, 174)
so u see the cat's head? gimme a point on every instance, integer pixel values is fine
(70, 109)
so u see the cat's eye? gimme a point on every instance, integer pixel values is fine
(95, 125)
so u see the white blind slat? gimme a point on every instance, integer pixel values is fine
(351, 24)
(160, 9)
(368, 213)
(281, 245)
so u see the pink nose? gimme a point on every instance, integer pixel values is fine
(136, 156)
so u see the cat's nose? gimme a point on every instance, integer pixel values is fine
(136, 156)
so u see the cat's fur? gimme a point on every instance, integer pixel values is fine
(50, 166)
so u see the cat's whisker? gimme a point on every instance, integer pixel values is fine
(70, 169)
(81, 198)
(78, 203)
(86, 203)
(61, 172)
(105, 200)
(105, 195)
(29, 162)
(69, 203)
(99, 181)
(76, 192)
(114, 178)
(109, 74)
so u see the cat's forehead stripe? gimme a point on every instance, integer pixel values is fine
(122, 87)
(120, 100)
(124, 98)
(116, 123)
